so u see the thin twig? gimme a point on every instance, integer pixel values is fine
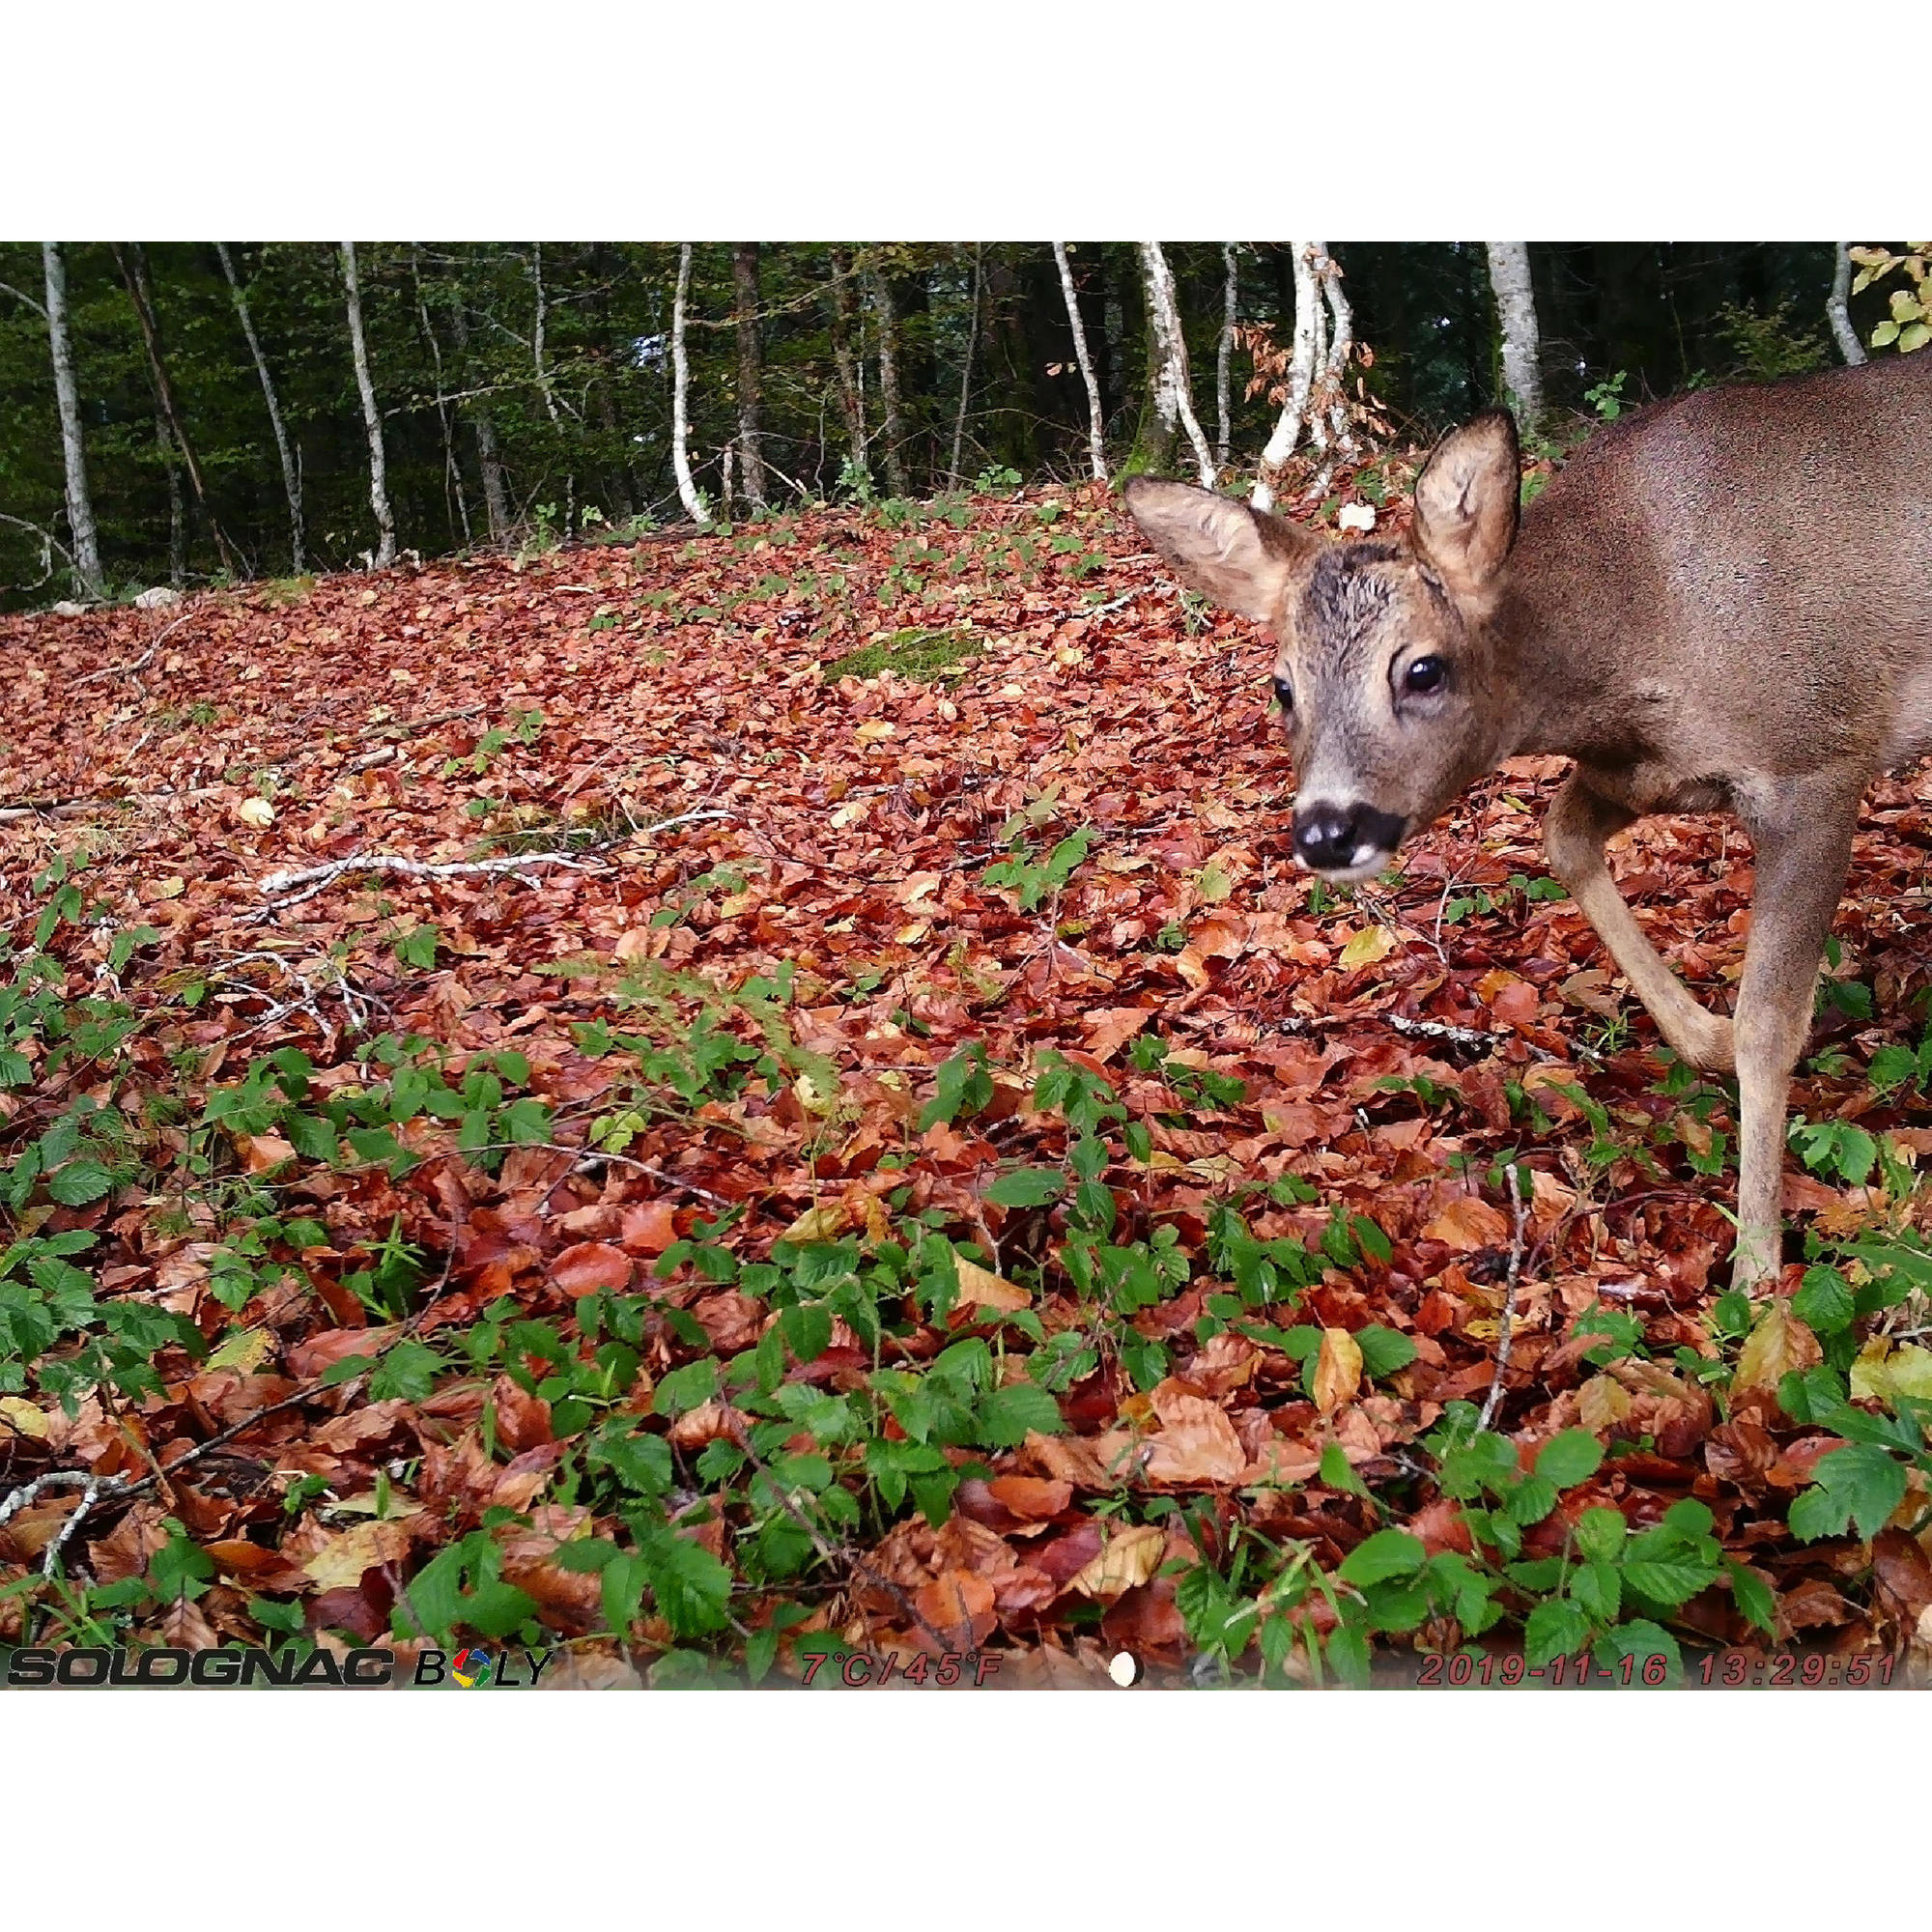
(140, 664)
(1506, 1327)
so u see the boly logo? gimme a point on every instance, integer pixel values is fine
(470, 1667)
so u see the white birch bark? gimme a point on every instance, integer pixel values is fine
(1287, 433)
(1837, 309)
(1341, 346)
(1516, 311)
(966, 369)
(74, 448)
(689, 494)
(544, 383)
(750, 371)
(1175, 396)
(1224, 357)
(291, 475)
(372, 419)
(1097, 448)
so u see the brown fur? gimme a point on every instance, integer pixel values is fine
(1725, 600)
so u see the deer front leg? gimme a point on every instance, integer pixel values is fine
(1803, 849)
(1573, 833)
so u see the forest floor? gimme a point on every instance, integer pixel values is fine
(851, 1130)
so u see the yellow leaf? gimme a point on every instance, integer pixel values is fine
(1879, 1373)
(984, 1289)
(1603, 1401)
(256, 812)
(1365, 947)
(1779, 1344)
(262, 1154)
(167, 889)
(1128, 1561)
(873, 729)
(1338, 1369)
(339, 1564)
(818, 1224)
(246, 1350)
(19, 1417)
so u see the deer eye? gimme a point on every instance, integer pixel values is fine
(1283, 693)
(1426, 674)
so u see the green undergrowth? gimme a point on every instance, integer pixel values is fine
(887, 1379)
(922, 655)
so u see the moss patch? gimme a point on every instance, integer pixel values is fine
(924, 655)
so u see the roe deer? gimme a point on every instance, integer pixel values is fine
(1724, 601)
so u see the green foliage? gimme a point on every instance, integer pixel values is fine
(922, 656)
(1908, 324)
(1032, 880)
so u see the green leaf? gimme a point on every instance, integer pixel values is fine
(1571, 1458)
(1668, 1582)
(79, 1182)
(1388, 1552)
(1337, 1472)
(1861, 1483)
(1752, 1596)
(1384, 1351)
(1005, 1415)
(1027, 1187)
(1641, 1640)
(686, 1388)
(1599, 1589)
(1555, 1628)
(1601, 1534)
(689, 1584)
(1824, 1301)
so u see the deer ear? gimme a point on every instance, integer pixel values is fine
(1466, 501)
(1239, 558)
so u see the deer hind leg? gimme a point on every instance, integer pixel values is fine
(1579, 823)
(1802, 859)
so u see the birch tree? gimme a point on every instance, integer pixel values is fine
(885, 318)
(966, 367)
(688, 491)
(291, 475)
(750, 371)
(1224, 356)
(372, 419)
(1097, 448)
(74, 448)
(1172, 393)
(1516, 311)
(1837, 309)
(1287, 431)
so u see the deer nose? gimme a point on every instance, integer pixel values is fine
(1326, 836)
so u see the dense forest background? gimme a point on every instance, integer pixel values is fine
(528, 390)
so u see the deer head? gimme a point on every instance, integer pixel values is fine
(1387, 675)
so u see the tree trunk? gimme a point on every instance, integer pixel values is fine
(846, 331)
(1516, 311)
(291, 476)
(1223, 356)
(132, 263)
(546, 386)
(177, 517)
(495, 494)
(372, 420)
(1287, 433)
(1096, 448)
(1837, 309)
(887, 321)
(751, 362)
(966, 367)
(73, 449)
(1173, 396)
(689, 494)
(455, 502)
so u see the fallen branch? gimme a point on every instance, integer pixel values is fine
(392, 865)
(140, 664)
